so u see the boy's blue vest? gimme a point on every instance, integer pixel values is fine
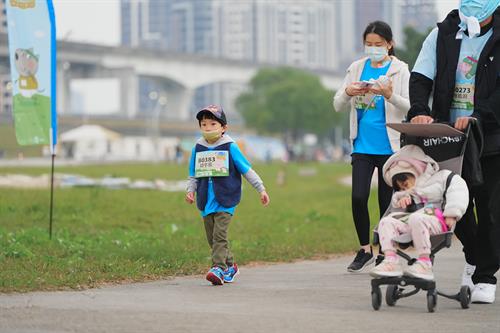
(227, 190)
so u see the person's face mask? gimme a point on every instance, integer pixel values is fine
(474, 12)
(480, 9)
(212, 136)
(376, 53)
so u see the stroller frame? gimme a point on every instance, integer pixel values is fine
(396, 285)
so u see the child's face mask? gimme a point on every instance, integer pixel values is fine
(212, 136)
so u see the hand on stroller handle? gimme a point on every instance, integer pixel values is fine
(462, 123)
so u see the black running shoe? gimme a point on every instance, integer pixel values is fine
(361, 260)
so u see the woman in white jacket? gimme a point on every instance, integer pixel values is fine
(375, 91)
(425, 202)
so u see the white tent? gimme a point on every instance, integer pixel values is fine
(96, 143)
(92, 132)
(89, 142)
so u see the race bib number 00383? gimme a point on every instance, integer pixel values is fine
(212, 163)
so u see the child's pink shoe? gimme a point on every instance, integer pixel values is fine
(420, 270)
(387, 268)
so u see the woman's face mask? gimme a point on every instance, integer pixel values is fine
(376, 53)
(212, 136)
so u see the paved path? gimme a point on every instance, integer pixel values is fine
(310, 296)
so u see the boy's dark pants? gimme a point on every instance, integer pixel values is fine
(216, 227)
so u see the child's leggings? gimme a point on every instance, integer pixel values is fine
(420, 225)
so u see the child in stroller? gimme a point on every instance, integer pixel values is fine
(426, 201)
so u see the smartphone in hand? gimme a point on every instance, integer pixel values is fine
(366, 84)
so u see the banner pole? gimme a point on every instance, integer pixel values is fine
(51, 196)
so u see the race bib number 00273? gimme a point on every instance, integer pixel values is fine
(212, 163)
(463, 97)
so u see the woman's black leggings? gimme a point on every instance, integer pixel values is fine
(363, 166)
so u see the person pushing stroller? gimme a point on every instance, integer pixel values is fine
(426, 201)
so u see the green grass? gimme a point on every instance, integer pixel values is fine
(105, 235)
(9, 146)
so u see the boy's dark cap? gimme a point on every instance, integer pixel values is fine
(215, 110)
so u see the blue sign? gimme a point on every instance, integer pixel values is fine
(32, 48)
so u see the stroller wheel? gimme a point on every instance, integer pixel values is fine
(376, 298)
(431, 300)
(391, 295)
(464, 297)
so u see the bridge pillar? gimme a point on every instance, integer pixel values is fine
(179, 102)
(63, 90)
(129, 92)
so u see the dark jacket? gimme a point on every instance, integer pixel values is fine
(227, 190)
(487, 82)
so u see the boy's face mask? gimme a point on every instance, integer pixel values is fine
(212, 136)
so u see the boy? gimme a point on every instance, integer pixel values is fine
(426, 201)
(215, 171)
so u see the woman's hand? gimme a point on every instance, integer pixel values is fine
(422, 120)
(190, 197)
(382, 89)
(264, 198)
(356, 89)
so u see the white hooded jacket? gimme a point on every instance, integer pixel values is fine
(396, 107)
(431, 184)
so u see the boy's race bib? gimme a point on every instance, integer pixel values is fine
(212, 163)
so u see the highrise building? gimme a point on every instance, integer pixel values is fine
(368, 11)
(5, 94)
(177, 25)
(292, 32)
(5, 91)
(297, 33)
(419, 14)
(315, 34)
(3, 17)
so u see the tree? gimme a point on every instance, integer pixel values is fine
(287, 101)
(413, 44)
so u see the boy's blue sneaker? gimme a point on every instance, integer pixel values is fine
(216, 276)
(230, 273)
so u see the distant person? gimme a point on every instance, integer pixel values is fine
(215, 171)
(179, 154)
(426, 201)
(460, 64)
(375, 91)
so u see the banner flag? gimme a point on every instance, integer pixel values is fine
(32, 49)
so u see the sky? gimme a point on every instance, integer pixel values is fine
(98, 21)
(445, 6)
(94, 21)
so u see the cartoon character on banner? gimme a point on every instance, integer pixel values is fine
(27, 67)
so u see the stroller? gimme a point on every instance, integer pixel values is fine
(446, 146)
